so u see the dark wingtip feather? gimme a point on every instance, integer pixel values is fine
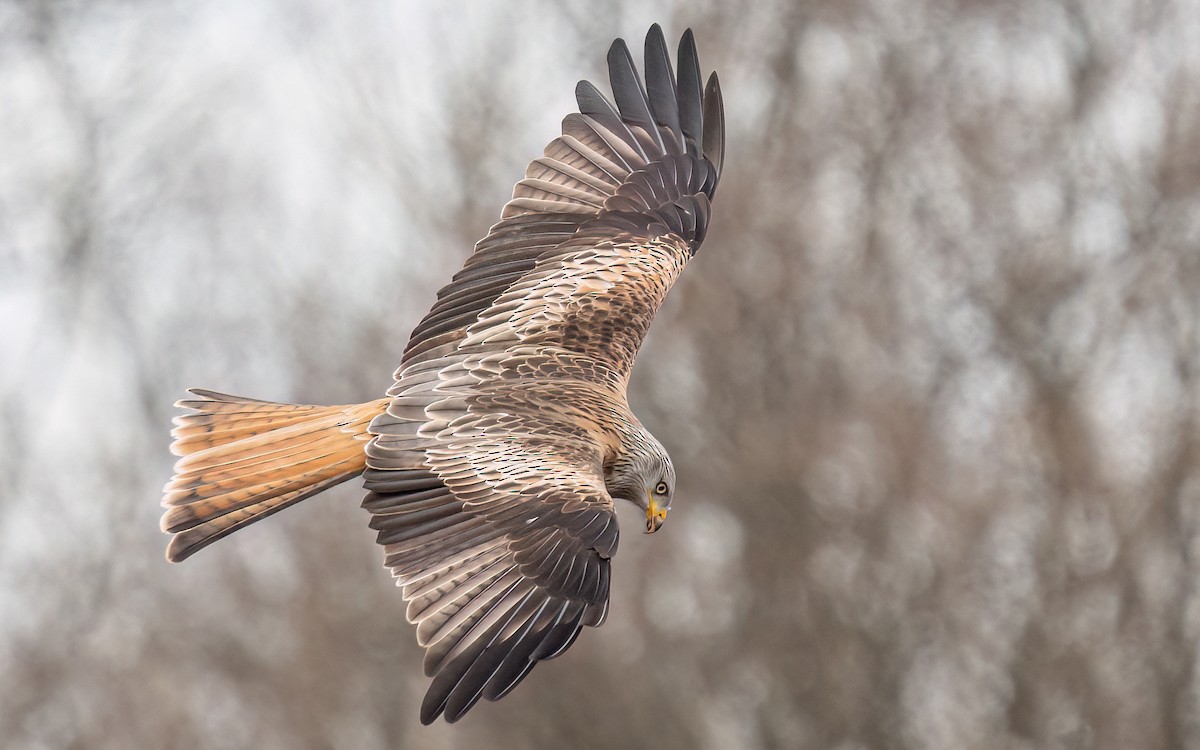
(446, 681)
(597, 106)
(628, 91)
(521, 658)
(660, 84)
(591, 101)
(714, 124)
(690, 97)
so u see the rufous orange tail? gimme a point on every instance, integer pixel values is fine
(244, 459)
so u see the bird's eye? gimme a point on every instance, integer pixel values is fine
(661, 488)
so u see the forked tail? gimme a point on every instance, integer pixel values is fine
(244, 459)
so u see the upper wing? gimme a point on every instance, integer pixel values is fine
(627, 176)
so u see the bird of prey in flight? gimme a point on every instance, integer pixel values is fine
(493, 463)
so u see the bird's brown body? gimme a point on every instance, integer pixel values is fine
(492, 464)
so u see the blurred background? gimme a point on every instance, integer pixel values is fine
(931, 385)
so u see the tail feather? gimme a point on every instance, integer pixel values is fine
(243, 459)
(247, 458)
(221, 419)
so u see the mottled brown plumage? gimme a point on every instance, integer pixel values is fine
(493, 463)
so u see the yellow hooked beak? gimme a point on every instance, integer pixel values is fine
(655, 515)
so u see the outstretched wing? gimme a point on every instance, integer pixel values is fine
(502, 548)
(619, 179)
(486, 473)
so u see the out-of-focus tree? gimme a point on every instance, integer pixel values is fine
(931, 385)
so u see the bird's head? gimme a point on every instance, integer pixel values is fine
(645, 477)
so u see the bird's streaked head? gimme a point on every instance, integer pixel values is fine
(644, 476)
